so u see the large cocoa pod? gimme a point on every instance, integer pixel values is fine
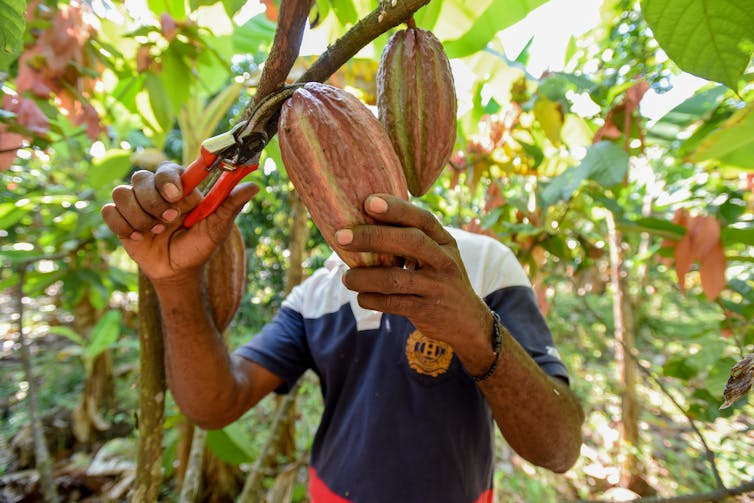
(336, 153)
(417, 104)
(225, 277)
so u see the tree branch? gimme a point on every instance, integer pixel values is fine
(285, 46)
(709, 453)
(715, 495)
(367, 29)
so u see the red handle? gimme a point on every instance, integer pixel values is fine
(218, 193)
(197, 170)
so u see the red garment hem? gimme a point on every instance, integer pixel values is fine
(320, 493)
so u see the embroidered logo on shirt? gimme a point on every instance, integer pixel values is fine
(428, 356)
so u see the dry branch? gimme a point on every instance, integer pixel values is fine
(716, 495)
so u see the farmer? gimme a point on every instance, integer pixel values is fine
(416, 364)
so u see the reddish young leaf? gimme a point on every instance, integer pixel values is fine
(684, 258)
(9, 145)
(143, 58)
(706, 235)
(712, 270)
(271, 12)
(28, 114)
(494, 198)
(168, 26)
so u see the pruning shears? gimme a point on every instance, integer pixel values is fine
(235, 152)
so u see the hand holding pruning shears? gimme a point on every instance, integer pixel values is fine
(147, 212)
(235, 153)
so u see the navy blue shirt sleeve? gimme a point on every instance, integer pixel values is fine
(520, 314)
(281, 348)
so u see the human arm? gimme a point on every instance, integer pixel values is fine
(210, 386)
(538, 415)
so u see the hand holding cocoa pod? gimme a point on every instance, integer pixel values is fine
(436, 295)
(336, 153)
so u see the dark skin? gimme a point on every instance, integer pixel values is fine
(538, 415)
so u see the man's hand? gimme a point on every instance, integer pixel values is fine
(147, 216)
(433, 291)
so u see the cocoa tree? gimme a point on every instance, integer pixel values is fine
(510, 177)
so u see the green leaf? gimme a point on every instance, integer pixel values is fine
(562, 187)
(12, 26)
(11, 213)
(68, 333)
(688, 113)
(176, 8)
(159, 101)
(742, 235)
(232, 444)
(606, 163)
(659, 226)
(345, 11)
(256, 34)
(104, 334)
(733, 134)
(679, 367)
(713, 39)
(176, 78)
(113, 166)
(233, 6)
(427, 16)
(500, 14)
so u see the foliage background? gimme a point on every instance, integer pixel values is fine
(563, 164)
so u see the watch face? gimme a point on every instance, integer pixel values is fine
(428, 356)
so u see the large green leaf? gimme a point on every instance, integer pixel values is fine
(345, 11)
(106, 170)
(254, 35)
(713, 39)
(605, 163)
(104, 334)
(232, 444)
(12, 25)
(734, 134)
(500, 14)
(689, 112)
(176, 8)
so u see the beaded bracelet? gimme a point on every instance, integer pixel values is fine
(497, 346)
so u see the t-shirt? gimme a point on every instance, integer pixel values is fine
(403, 421)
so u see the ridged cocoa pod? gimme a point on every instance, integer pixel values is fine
(416, 100)
(225, 276)
(336, 153)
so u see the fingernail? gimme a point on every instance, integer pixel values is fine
(136, 236)
(376, 204)
(344, 236)
(171, 191)
(158, 229)
(169, 215)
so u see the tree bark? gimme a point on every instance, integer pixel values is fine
(152, 388)
(625, 345)
(192, 480)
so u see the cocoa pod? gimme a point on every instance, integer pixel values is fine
(225, 277)
(336, 153)
(417, 105)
